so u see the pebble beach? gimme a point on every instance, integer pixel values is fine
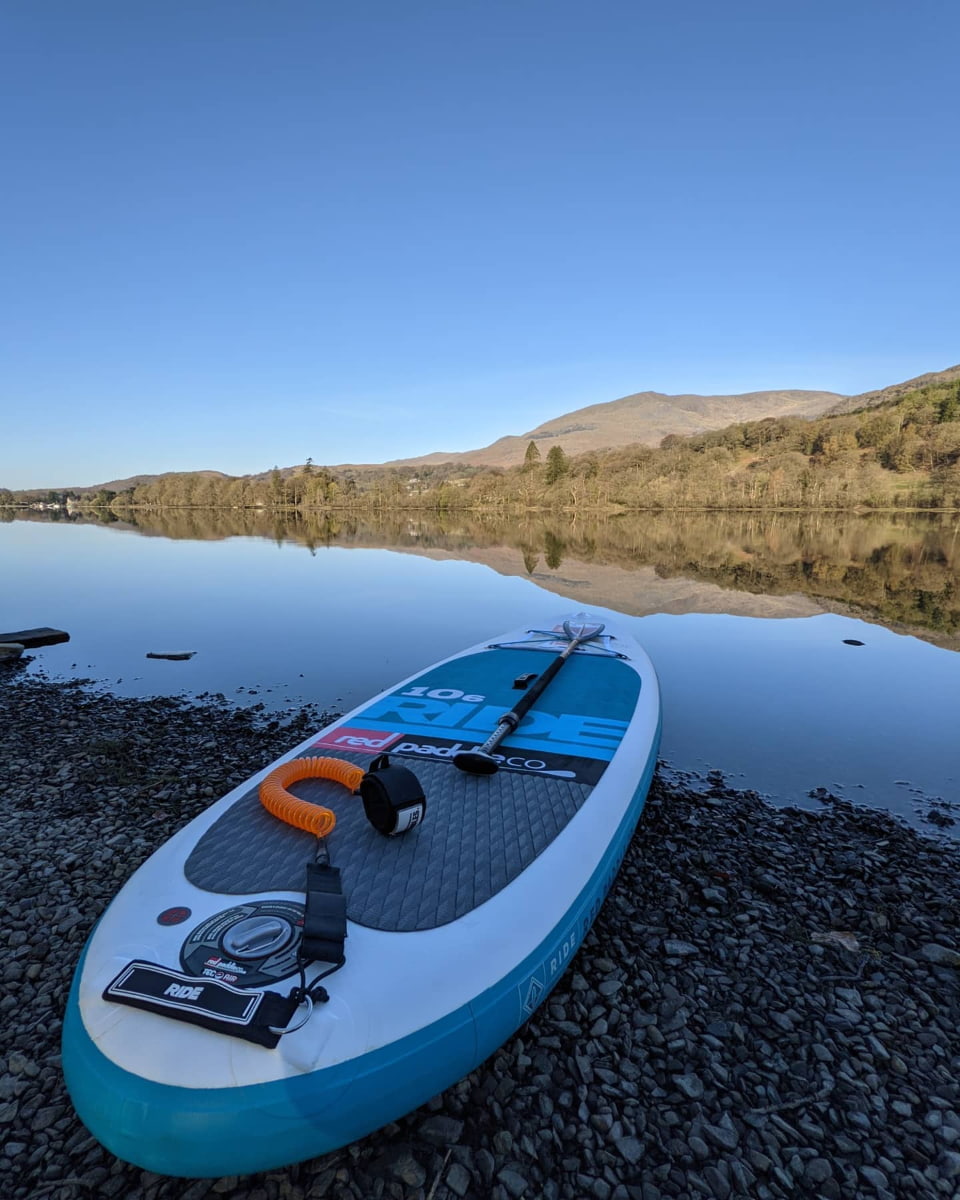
(768, 1004)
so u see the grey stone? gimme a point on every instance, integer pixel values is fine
(442, 1130)
(690, 1085)
(458, 1179)
(513, 1181)
(677, 949)
(503, 1142)
(400, 1163)
(943, 956)
(948, 1164)
(875, 1178)
(717, 1181)
(817, 1171)
(486, 1164)
(19, 1064)
(631, 1149)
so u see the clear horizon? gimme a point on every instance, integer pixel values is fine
(237, 236)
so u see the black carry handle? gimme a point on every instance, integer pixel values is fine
(481, 760)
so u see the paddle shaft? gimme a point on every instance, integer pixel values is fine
(509, 721)
(481, 761)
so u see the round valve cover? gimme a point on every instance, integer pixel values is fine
(249, 945)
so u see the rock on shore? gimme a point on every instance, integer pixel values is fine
(767, 1006)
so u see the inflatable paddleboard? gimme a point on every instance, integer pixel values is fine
(255, 995)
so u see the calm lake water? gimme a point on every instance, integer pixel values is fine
(744, 617)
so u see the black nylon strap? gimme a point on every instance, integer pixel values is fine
(204, 1002)
(325, 916)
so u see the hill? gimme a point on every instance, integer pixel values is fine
(895, 391)
(115, 485)
(645, 417)
(121, 485)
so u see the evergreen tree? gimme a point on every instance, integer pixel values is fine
(532, 457)
(557, 464)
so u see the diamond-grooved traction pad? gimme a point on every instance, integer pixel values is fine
(479, 833)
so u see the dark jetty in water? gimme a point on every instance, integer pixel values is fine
(767, 1006)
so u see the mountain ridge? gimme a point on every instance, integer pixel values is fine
(645, 417)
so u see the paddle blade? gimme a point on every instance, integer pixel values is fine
(581, 628)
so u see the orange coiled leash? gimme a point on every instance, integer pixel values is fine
(325, 908)
(393, 802)
(314, 818)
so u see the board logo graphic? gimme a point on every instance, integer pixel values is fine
(534, 992)
(367, 741)
(174, 916)
(180, 991)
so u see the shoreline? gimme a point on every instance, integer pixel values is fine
(768, 1003)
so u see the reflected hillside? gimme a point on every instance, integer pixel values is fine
(900, 569)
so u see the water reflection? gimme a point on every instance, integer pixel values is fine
(902, 570)
(783, 706)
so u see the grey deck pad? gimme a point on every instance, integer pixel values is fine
(479, 833)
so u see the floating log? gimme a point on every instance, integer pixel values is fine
(31, 638)
(176, 654)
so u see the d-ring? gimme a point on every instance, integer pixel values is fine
(308, 1001)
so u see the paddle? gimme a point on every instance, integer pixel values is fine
(481, 761)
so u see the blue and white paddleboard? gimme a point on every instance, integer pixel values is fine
(456, 930)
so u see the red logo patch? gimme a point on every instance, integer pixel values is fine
(367, 741)
(173, 916)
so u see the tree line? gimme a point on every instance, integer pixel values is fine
(902, 454)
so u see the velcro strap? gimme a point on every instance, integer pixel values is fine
(325, 917)
(253, 1016)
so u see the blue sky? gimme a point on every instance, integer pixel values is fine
(236, 234)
